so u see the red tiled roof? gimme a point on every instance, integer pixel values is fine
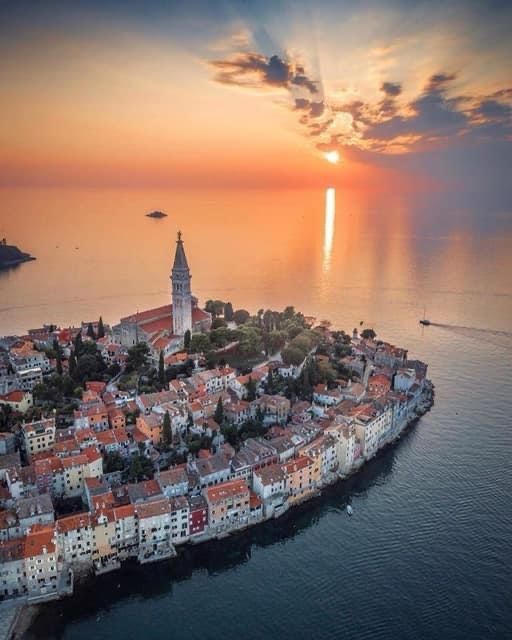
(152, 509)
(39, 539)
(13, 396)
(228, 489)
(297, 464)
(72, 522)
(142, 316)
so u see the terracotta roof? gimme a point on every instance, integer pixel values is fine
(39, 540)
(143, 316)
(124, 511)
(106, 437)
(297, 465)
(152, 509)
(13, 396)
(12, 550)
(175, 475)
(225, 490)
(271, 474)
(157, 325)
(48, 465)
(73, 522)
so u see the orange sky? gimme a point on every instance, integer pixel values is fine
(95, 103)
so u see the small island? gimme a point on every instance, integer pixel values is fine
(156, 214)
(11, 256)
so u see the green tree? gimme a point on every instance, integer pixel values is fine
(240, 316)
(269, 385)
(217, 323)
(251, 389)
(289, 313)
(218, 416)
(215, 307)
(140, 468)
(368, 334)
(161, 370)
(228, 312)
(58, 356)
(89, 367)
(72, 365)
(78, 344)
(200, 343)
(113, 462)
(90, 331)
(250, 341)
(292, 355)
(275, 341)
(166, 430)
(186, 339)
(101, 328)
(137, 357)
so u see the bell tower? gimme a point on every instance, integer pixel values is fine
(181, 292)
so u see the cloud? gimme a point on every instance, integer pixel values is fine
(391, 88)
(252, 70)
(301, 80)
(432, 114)
(435, 117)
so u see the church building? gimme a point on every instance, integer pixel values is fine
(164, 328)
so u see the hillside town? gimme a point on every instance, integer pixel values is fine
(180, 425)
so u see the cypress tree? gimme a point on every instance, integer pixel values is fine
(72, 365)
(78, 344)
(166, 430)
(187, 338)
(59, 362)
(101, 328)
(90, 332)
(219, 412)
(228, 312)
(161, 370)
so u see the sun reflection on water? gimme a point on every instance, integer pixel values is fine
(330, 218)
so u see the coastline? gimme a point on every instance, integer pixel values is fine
(14, 257)
(29, 613)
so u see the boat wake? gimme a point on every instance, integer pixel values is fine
(495, 337)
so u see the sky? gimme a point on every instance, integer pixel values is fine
(238, 93)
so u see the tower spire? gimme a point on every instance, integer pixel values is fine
(181, 291)
(180, 259)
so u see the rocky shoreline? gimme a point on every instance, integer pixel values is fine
(11, 256)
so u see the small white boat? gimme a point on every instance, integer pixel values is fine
(350, 511)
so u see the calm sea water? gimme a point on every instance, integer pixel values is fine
(428, 552)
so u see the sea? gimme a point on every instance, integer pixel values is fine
(428, 551)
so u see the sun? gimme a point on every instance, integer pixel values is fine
(332, 156)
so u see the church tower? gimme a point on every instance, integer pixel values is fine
(181, 293)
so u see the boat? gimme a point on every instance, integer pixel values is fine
(424, 321)
(156, 214)
(350, 511)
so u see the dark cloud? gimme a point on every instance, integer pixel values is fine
(433, 114)
(317, 109)
(256, 70)
(437, 118)
(391, 88)
(313, 109)
(252, 70)
(317, 128)
(438, 82)
(302, 103)
(494, 110)
(301, 80)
